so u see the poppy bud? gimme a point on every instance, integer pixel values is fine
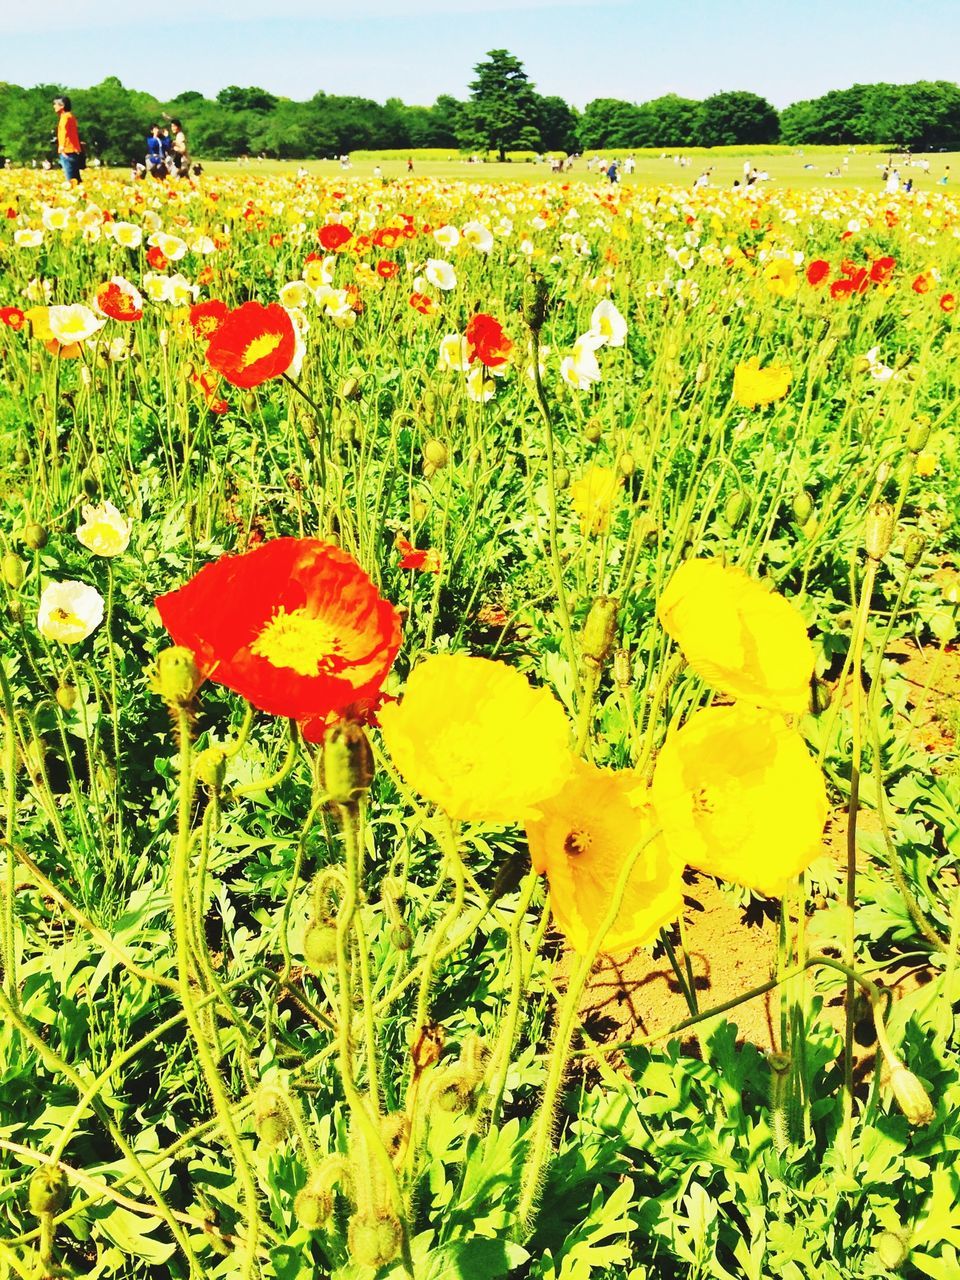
(249, 403)
(395, 1132)
(622, 671)
(878, 532)
(626, 464)
(66, 696)
(561, 478)
(270, 1117)
(35, 536)
(212, 767)
(21, 457)
(892, 1249)
(913, 550)
(918, 435)
(535, 303)
(600, 629)
(703, 372)
(820, 697)
(350, 389)
(401, 937)
(347, 763)
(911, 1096)
(320, 946)
(435, 456)
(418, 510)
(593, 431)
(735, 508)
(802, 507)
(189, 369)
(89, 481)
(313, 1206)
(509, 874)
(49, 1190)
(427, 1048)
(374, 1241)
(175, 676)
(13, 570)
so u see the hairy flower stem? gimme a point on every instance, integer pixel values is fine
(540, 1145)
(181, 898)
(562, 604)
(8, 935)
(508, 1030)
(856, 760)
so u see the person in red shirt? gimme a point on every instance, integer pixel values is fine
(68, 139)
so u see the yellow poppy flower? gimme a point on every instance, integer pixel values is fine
(593, 496)
(754, 386)
(781, 278)
(739, 637)
(738, 796)
(581, 838)
(475, 737)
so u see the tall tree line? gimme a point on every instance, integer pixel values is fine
(502, 112)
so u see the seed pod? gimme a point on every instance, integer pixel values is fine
(918, 435)
(878, 532)
(347, 763)
(622, 670)
(35, 536)
(913, 549)
(212, 767)
(13, 570)
(49, 1190)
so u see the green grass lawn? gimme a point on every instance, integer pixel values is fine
(804, 171)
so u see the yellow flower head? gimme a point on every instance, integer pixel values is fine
(739, 637)
(593, 497)
(754, 386)
(581, 839)
(738, 796)
(477, 739)
(781, 277)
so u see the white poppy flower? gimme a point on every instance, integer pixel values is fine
(105, 530)
(609, 325)
(75, 323)
(440, 274)
(69, 611)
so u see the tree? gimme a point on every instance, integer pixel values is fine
(502, 111)
(609, 122)
(556, 124)
(670, 121)
(252, 99)
(736, 119)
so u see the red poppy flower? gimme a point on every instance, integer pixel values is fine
(882, 270)
(206, 384)
(205, 275)
(423, 303)
(410, 558)
(921, 284)
(334, 236)
(817, 271)
(387, 269)
(156, 259)
(275, 240)
(253, 344)
(295, 626)
(841, 288)
(207, 317)
(947, 302)
(119, 300)
(12, 212)
(12, 317)
(486, 341)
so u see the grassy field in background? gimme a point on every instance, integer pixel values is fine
(804, 171)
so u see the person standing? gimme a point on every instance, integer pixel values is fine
(178, 149)
(69, 148)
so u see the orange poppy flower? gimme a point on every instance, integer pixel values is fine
(295, 626)
(334, 236)
(411, 558)
(253, 344)
(206, 317)
(119, 300)
(423, 303)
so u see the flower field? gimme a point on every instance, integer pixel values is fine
(416, 597)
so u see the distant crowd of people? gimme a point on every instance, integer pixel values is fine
(167, 155)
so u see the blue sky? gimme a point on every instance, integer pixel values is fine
(633, 49)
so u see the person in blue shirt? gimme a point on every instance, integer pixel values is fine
(155, 164)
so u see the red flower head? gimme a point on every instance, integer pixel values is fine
(207, 317)
(922, 283)
(156, 259)
(12, 317)
(275, 240)
(817, 271)
(295, 626)
(253, 344)
(207, 385)
(334, 236)
(410, 558)
(119, 300)
(882, 270)
(387, 269)
(947, 302)
(486, 341)
(423, 303)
